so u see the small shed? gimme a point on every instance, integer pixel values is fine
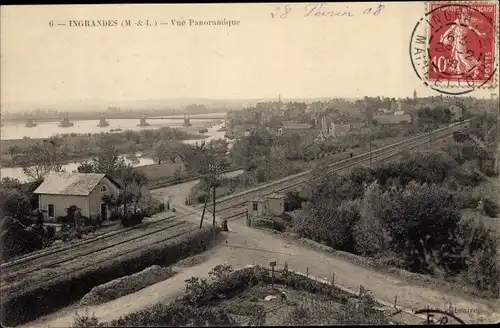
(273, 204)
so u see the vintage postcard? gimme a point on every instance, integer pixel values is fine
(330, 163)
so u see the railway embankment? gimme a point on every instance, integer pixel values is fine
(34, 298)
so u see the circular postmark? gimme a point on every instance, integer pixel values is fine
(452, 47)
(440, 317)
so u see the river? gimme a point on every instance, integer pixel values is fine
(17, 130)
(17, 172)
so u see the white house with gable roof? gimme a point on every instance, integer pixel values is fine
(60, 191)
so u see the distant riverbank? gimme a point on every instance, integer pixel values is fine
(143, 157)
(75, 147)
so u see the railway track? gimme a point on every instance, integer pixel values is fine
(56, 259)
(100, 257)
(238, 210)
(233, 205)
(22, 270)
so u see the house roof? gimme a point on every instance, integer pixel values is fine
(296, 126)
(261, 199)
(275, 196)
(392, 119)
(75, 184)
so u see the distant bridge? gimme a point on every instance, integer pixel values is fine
(112, 117)
(142, 119)
(190, 117)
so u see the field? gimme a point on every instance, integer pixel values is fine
(164, 171)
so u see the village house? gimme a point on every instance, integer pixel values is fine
(339, 130)
(324, 126)
(383, 111)
(271, 205)
(60, 191)
(392, 119)
(289, 128)
(456, 113)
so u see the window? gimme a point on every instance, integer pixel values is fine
(103, 188)
(255, 206)
(50, 210)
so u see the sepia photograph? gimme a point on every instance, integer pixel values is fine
(249, 164)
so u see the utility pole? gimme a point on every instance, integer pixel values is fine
(205, 206)
(213, 168)
(485, 132)
(370, 145)
(430, 134)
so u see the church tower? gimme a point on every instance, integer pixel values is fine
(414, 94)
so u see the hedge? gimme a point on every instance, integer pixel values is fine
(46, 298)
(126, 285)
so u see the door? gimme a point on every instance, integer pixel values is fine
(50, 210)
(104, 211)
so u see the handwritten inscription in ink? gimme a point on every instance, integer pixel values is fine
(323, 10)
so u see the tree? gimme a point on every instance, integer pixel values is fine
(109, 161)
(133, 183)
(132, 148)
(14, 203)
(330, 224)
(83, 145)
(423, 222)
(164, 150)
(370, 233)
(147, 138)
(40, 160)
(14, 151)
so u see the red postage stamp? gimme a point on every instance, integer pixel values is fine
(455, 46)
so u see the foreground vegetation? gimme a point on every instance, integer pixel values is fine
(216, 302)
(408, 215)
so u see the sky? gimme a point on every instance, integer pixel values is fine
(296, 56)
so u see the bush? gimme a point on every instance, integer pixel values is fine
(491, 208)
(175, 315)
(201, 198)
(483, 258)
(223, 283)
(132, 219)
(279, 224)
(41, 299)
(285, 217)
(330, 224)
(86, 321)
(116, 215)
(126, 285)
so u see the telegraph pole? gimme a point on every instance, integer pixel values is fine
(370, 124)
(370, 145)
(205, 206)
(213, 168)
